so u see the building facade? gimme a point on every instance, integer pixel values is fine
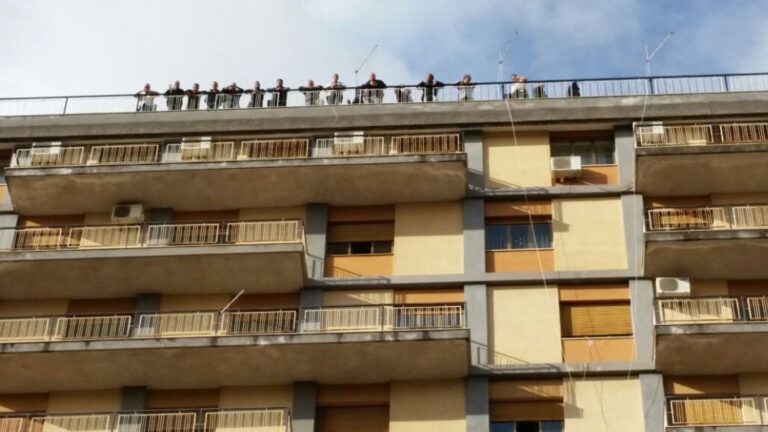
(498, 260)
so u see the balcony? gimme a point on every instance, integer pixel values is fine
(210, 348)
(702, 159)
(688, 328)
(258, 420)
(717, 413)
(209, 174)
(708, 242)
(123, 260)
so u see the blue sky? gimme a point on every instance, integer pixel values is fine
(97, 46)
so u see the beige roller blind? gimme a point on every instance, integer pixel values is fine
(596, 320)
(521, 411)
(361, 232)
(358, 419)
(513, 209)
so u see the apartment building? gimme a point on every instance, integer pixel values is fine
(473, 264)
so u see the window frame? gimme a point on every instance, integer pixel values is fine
(372, 248)
(510, 241)
(594, 145)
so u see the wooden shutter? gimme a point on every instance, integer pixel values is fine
(358, 419)
(522, 411)
(361, 232)
(596, 320)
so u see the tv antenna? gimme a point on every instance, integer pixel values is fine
(364, 62)
(503, 53)
(232, 302)
(649, 57)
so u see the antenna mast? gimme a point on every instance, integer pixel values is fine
(649, 57)
(364, 62)
(502, 54)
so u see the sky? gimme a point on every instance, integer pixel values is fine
(76, 47)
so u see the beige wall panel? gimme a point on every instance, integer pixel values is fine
(361, 214)
(592, 293)
(42, 221)
(429, 239)
(739, 198)
(102, 306)
(359, 265)
(28, 308)
(603, 405)
(104, 218)
(524, 325)
(753, 383)
(599, 349)
(206, 216)
(509, 165)
(525, 390)
(272, 213)
(357, 297)
(709, 287)
(194, 302)
(266, 301)
(524, 260)
(427, 406)
(24, 403)
(701, 385)
(588, 234)
(85, 401)
(256, 397)
(430, 296)
(160, 399)
(353, 395)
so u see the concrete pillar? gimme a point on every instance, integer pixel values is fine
(477, 406)
(159, 215)
(654, 403)
(641, 295)
(634, 237)
(473, 147)
(476, 299)
(315, 236)
(9, 220)
(624, 139)
(474, 236)
(134, 398)
(304, 403)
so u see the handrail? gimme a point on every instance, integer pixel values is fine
(685, 135)
(711, 310)
(707, 218)
(714, 411)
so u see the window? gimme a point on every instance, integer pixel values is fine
(592, 152)
(527, 426)
(595, 319)
(518, 236)
(360, 248)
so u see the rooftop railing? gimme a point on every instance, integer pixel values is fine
(489, 91)
(730, 411)
(659, 135)
(714, 218)
(150, 235)
(198, 420)
(231, 323)
(712, 310)
(242, 150)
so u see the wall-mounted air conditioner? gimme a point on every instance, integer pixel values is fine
(128, 213)
(673, 287)
(566, 167)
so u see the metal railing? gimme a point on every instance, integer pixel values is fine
(232, 323)
(714, 411)
(350, 146)
(123, 154)
(708, 218)
(712, 310)
(487, 91)
(659, 135)
(151, 235)
(182, 420)
(290, 148)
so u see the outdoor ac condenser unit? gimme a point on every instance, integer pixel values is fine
(566, 167)
(673, 287)
(128, 213)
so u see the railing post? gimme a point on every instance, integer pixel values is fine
(66, 102)
(726, 87)
(651, 90)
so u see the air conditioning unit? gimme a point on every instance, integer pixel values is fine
(566, 167)
(128, 213)
(204, 143)
(673, 287)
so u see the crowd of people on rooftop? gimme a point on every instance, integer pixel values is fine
(370, 92)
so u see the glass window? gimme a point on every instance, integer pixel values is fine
(552, 426)
(360, 248)
(527, 426)
(382, 247)
(502, 427)
(591, 152)
(518, 236)
(604, 153)
(338, 248)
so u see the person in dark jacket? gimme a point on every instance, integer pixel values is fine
(574, 90)
(335, 91)
(429, 88)
(193, 97)
(257, 96)
(372, 91)
(231, 97)
(145, 99)
(311, 93)
(466, 88)
(174, 96)
(279, 94)
(212, 95)
(403, 94)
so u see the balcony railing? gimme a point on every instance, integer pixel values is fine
(712, 310)
(228, 151)
(150, 235)
(708, 218)
(716, 411)
(693, 135)
(493, 91)
(232, 323)
(202, 420)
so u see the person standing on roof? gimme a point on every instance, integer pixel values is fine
(429, 88)
(193, 97)
(232, 95)
(466, 88)
(257, 96)
(279, 94)
(335, 91)
(174, 96)
(211, 98)
(145, 99)
(372, 91)
(311, 93)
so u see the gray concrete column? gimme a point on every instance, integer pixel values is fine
(641, 297)
(634, 237)
(473, 147)
(134, 398)
(474, 236)
(304, 403)
(9, 220)
(315, 230)
(654, 404)
(624, 139)
(477, 406)
(476, 313)
(311, 298)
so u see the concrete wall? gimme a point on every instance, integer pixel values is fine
(85, 401)
(588, 234)
(429, 239)
(357, 297)
(599, 349)
(194, 302)
(23, 403)
(524, 325)
(427, 406)
(603, 405)
(516, 165)
(256, 397)
(27, 308)
(272, 213)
